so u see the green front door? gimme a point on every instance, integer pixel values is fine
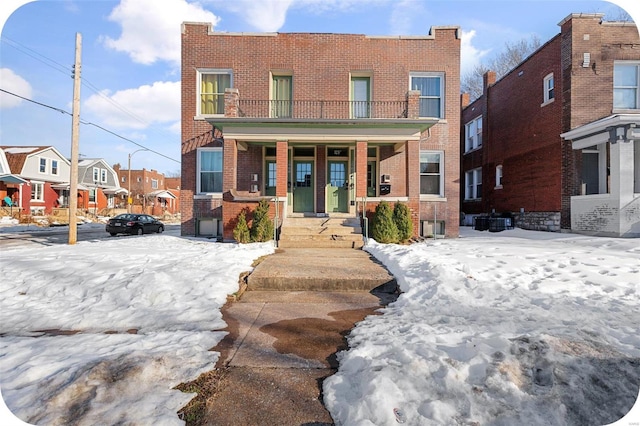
(303, 186)
(337, 187)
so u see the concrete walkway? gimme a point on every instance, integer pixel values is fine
(282, 344)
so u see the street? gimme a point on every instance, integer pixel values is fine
(60, 235)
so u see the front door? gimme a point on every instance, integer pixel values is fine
(337, 187)
(303, 186)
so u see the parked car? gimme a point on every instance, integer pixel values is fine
(130, 223)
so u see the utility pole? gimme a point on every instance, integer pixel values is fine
(75, 136)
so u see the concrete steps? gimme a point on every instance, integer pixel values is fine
(320, 269)
(321, 232)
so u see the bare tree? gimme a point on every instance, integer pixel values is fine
(512, 55)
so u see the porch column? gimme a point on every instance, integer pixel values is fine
(412, 149)
(622, 171)
(230, 165)
(361, 169)
(282, 157)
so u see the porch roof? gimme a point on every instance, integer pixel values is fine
(613, 128)
(67, 186)
(304, 130)
(162, 194)
(9, 178)
(114, 191)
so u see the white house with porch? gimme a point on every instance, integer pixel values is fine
(610, 200)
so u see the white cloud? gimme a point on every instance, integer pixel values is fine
(402, 15)
(470, 56)
(137, 108)
(12, 82)
(151, 30)
(265, 15)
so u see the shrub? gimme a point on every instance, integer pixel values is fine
(384, 230)
(261, 227)
(241, 231)
(402, 219)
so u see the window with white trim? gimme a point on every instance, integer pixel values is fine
(548, 88)
(211, 86)
(43, 165)
(626, 85)
(154, 183)
(54, 167)
(37, 191)
(431, 88)
(473, 134)
(499, 176)
(473, 184)
(124, 179)
(209, 166)
(432, 173)
(96, 174)
(103, 175)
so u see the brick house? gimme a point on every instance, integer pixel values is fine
(320, 125)
(148, 191)
(523, 152)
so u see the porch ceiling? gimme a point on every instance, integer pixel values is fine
(266, 130)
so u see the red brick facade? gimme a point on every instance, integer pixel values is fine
(521, 132)
(322, 68)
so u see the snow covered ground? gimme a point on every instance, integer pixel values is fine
(512, 328)
(516, 327)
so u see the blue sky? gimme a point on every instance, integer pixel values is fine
(131, 53)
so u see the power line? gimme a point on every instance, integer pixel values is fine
(67, 70)
(88, 123)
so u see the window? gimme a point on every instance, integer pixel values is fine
(282, 95)
(360, 97)
(37, 191)
(154, 183)
(209, 170)
(499, 176)
(103, 175)
(431, 88)
(626, 82)
(139, 179)
(124, 179)
(54, 167)
(473, 134)
(92, 195)
(431, 173)
(212, 86)
(548, 89)
(473, 184)
(96, 174)
(43, 165)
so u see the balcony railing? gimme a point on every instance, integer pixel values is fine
(321, 110)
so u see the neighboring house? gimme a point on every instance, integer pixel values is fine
(45, 171)
(320, 125)
(148, 193)
(10, 185)
(102, 185)
(553, 142)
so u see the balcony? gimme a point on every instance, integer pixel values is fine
(321, 110)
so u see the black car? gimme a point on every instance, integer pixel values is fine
(131, 223)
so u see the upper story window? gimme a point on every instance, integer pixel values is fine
(473, 184)
(432, 173)
(103, 175)
(499, 176)
(54, 167)
(626, 84)
(548, 89)
(473, 134)
(154, 183)
(43, 165)
(360, 97)
(212, 84)
(209, 178)
(96, 174)
(431, 88)
(139, 179)
(281, 96)
(124, 179)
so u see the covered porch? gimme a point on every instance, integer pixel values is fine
(609, 200)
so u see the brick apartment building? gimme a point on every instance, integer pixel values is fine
(528, 145)
(148, 191)
(320, 125)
